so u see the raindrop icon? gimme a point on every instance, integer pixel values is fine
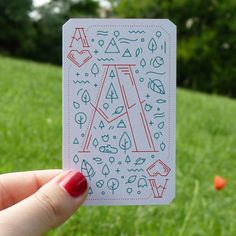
(100, 43)
(105, 106)
(116, 33)
(158, 34)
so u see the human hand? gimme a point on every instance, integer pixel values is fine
(33, 202)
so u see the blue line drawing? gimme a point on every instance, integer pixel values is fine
(105, 138)
(119, 162)
(114, 137)
(121, 124)
(118, 110)
(101, 43)
(112, 47)
(77, 73)
(98, 160)
(111, 93)
(152, 45)
(117, 171)
(95, 69)
(76, 105)
(79, 91)
(159, 115)
(126, 53)
(141, 79)
(80, 118)
(100, 183)
(102, 33)
(161, 125)
(156, 86)
(90, 191)
(85, 97)
(158, 34)
(143, 63)
(157, 135)
(108, 149)
(112, 74)
(113, 184)
(127, 40)
(127, 159)
(151, 123)
(142, 182)
(95, 85)
(158, 61)
(96, 51)
(76, 141)
(111, 127)
(135, 170)
(139, 161)
(137, 31)
(82, 135)
(160, 101)
(103, 192)
(87, 170)
(138, 192)
(86, 74)
(125, 142)
(131, 179)
(105, 106)
(95, 143)
(116, 33)
(124, 42)
(105, 170)
(111, 160)
(162, 146)
(129, 190)
(101, 125)
(142, 40)
(105, 59)
(81, 81)
(138, 52)
(136, 71)
(148, 107)
(75, 159)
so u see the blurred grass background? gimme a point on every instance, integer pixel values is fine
(30, 138)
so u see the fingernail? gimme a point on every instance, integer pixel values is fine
(74, 183)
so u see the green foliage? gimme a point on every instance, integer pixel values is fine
(30, 138)
(206, 39)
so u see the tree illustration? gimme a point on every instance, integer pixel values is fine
(112, 74)
(87, 170)
(95, 69)
(113, 184)
(152, 45)
(143, 63)
(105, 170)
(95, 143)
(111, 93)
(101, 125)
(125, 142)
(85, 97)
(80, 118)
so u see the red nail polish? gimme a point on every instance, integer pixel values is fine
(74, 183)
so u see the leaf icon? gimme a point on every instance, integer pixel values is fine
(105, 170)
(118, 110)
(87, 170)
(125, 142)
(85, 97)
(152, 45)
(139, 161)
(156, 86)
(98, 160)
(131, 179)
(95, 142)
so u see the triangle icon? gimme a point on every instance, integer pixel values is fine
(127, 53)
(112, 47)
(76, 141)
(121, 124)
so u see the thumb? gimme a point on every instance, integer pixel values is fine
(50, 206)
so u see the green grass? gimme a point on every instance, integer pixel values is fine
(30, 138)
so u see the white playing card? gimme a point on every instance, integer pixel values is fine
(119, 85)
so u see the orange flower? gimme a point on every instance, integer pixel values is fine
(219, 182)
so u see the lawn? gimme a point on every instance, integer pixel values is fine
(30, 138)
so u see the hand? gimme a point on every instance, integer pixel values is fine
(33, 202)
